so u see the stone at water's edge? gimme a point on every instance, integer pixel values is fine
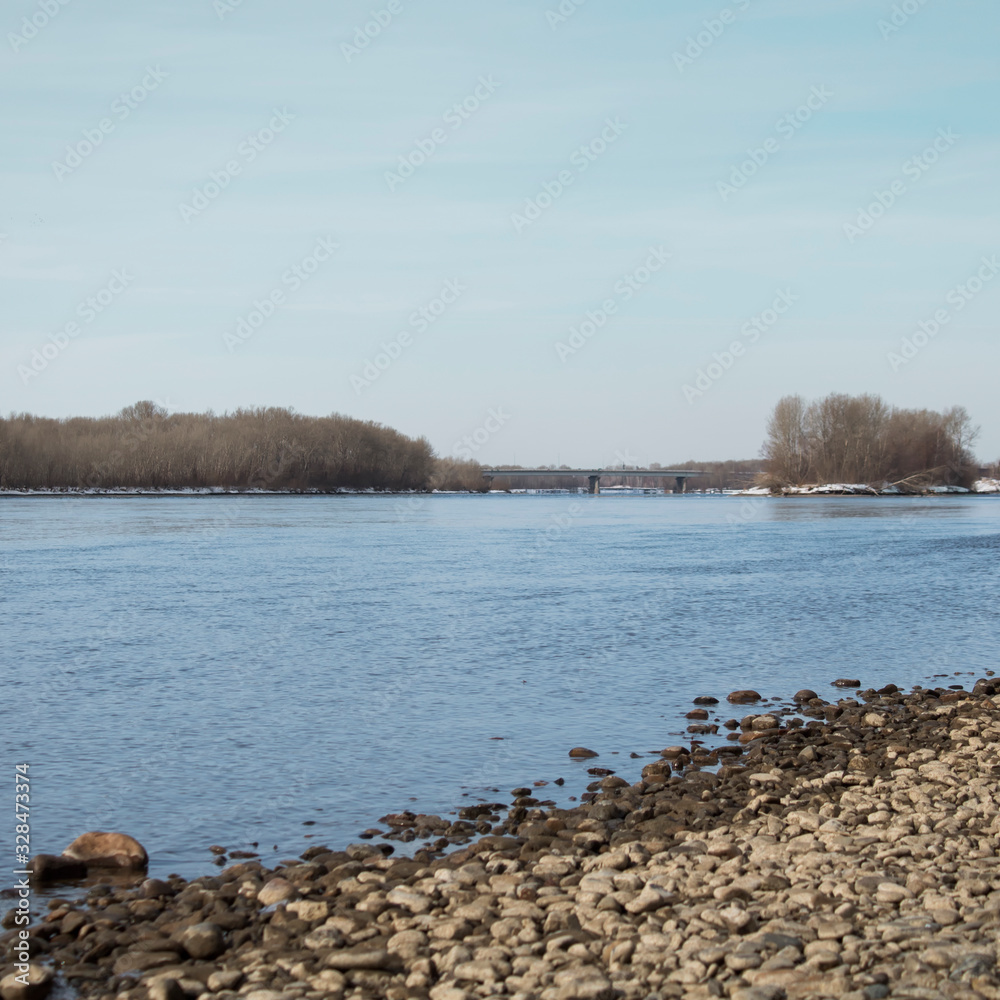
(762, 723)
(37, 987)
(583, 752)
(56, 868)
(742, 697)
(845, 682)
(108, 850)
(806, 694)
(153, 888)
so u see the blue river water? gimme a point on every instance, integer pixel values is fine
(203, 670)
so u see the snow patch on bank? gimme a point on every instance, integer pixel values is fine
(863, 489)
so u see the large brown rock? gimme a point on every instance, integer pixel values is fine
(108, 850)
(56, 868)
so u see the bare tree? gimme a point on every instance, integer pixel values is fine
(860, 439)
(786, 450)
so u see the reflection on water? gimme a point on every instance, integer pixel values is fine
(881, 508)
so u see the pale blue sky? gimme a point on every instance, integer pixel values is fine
(221, 76)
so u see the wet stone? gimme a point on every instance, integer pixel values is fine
(743, 697)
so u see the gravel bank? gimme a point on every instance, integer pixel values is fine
(854, 856)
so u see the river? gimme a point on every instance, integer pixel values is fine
(199, 670)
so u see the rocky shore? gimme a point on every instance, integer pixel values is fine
(844, 849)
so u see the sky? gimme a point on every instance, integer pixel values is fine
(541, 231)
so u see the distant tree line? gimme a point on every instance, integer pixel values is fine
(861, 439)
(856, 439)
(265, 448)
(732, 474)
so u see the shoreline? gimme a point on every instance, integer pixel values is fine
(849, 854)
(128, 493)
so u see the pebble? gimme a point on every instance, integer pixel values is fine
(166, 989)
(225, 979)
(34, 984)
(204, 940)
(277, 890)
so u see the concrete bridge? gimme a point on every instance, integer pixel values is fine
(593, 476)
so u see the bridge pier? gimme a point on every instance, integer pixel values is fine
(681, 482)
(594, 485)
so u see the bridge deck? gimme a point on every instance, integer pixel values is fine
(649, 473)
(593, 476)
